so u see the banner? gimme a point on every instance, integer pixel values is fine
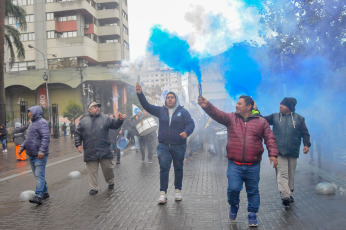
(42, 96)
(164, 93)
(135, 109)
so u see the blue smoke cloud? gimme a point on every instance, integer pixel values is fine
(173, 51)
(256, 3)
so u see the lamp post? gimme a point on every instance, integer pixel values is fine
(45, 76)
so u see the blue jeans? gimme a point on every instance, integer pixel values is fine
(116, 151)
(165, 154)
(3, 142)
(250, 174)
(136, 142)
(38, 167)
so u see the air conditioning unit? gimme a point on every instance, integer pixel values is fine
(86, 26)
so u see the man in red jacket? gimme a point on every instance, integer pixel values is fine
(244, 152)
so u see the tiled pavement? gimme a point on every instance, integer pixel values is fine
(133, 203)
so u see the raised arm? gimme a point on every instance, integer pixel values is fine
(269, 119)
(152, 109)
(216, 114)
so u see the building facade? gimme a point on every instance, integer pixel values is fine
(76, 46)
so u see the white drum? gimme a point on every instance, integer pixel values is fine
(146, 126)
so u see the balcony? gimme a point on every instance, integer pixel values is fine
(109, 52)
(108, 13)
(108, 30)
(106, 1)
(83, 6)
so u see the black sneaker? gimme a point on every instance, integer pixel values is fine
(291, 199)
(118, 162)
(286, 201)
(93, 192)
(36, 200)
(111, 186)
(45, 196)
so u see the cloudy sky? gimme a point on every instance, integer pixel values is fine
(208, 27)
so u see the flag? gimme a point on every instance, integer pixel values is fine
(135, 109)
(164, 94)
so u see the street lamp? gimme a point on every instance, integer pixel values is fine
(45, 76)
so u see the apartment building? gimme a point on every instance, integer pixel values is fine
(74, 45)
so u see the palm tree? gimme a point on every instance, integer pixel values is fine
(6, 33)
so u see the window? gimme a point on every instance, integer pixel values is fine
(126, 45)
(11, 20)
(125, 30)
(27, 37)
(67, 18)
(125, 2)
(29, 18)
(112, 41)
(125, 15)
(22, 2)
(49, 1)
(50, 34)
(20, 66)
(69, 34)
(50, 16)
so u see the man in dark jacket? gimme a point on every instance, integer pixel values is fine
(3, 137)
(244, 152)
(72, 129)
(289, 128)
(18, 139)
(147, 142)
(93, 133)
(175, 125)
(37, 148)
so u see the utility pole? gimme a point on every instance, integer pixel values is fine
(2, 56)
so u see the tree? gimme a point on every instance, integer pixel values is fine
(73, 110)
(7, 35)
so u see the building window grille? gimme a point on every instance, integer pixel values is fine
(50, 16)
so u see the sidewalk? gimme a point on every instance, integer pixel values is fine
(133, 203)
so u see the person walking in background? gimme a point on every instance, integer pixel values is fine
(289, 129)
(147, 142)
(3, 137)
(114, 135)
(72, 129)
(63, 129)
(175, 125)
(37, 148)
(244, 152)
(19, 138)
(92, 135)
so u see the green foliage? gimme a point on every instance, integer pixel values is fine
(73, 110)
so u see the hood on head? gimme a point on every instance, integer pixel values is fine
(176, 97)
(17, 125)
(36, 111)
(2, 126)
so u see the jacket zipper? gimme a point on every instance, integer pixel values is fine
(244, 144)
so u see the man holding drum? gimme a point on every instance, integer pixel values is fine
(175, 125)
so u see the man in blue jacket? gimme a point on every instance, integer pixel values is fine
(37, 148)
(175, 125)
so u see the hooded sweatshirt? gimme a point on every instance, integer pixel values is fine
(171, 123)
(38, 137)
(18, 133)
(3, 132)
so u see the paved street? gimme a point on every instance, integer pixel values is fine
(133, 203)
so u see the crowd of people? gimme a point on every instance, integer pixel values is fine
(178, 135)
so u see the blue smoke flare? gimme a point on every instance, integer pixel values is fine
(173, 51)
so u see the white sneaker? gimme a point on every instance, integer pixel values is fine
(162, 198)
(5, 151)
(178, 195)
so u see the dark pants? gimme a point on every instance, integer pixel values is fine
(250, 174)
(147, 142)
(167, 153)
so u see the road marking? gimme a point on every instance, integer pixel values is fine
(30, 171)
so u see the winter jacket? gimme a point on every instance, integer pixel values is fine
(18, 133)
(181, 121)
(38, 137)
(289, 130)
(3, 132)
(93, 133)
(244, 135)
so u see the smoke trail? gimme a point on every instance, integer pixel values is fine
(173, 51)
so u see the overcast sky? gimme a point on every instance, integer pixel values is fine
(191, 19)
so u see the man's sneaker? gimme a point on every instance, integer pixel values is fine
(45, 196)
(286, 201)
(291, 199)
(118, 162)
(93, 192)
(111, 186)
(5, 151)
(233, 212)
(178, 196)
(162, 198)
(252, 219)
(36, 200)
